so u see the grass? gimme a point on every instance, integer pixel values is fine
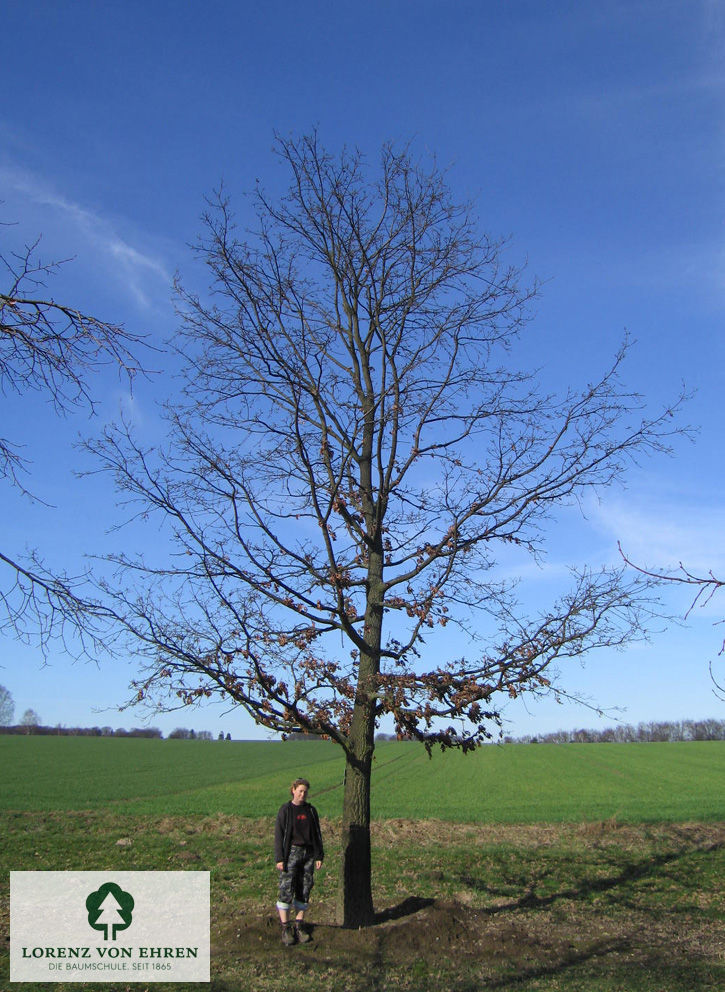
(595, 868)
(635, 783)
(461, 907)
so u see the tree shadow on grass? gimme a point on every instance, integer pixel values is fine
(615, 964)
(634, 958)
(408, 907)
(634, 871)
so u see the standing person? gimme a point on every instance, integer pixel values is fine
(298, 852)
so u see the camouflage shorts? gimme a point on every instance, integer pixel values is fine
(296, 883)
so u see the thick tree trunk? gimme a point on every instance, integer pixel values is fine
(355, 899)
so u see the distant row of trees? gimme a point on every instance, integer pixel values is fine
(30, 723)
(643, 733)
(180, 733)
(43, 731)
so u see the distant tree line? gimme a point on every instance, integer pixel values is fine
(30, 724)
(152, 732)
(182, 734)
(43, 731)
(644, 733)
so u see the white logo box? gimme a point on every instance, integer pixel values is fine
(116, 926)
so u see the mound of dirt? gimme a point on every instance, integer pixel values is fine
(407, 934)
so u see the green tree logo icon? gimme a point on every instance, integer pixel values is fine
(110, 909)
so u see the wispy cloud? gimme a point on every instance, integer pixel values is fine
(662, 534)
(143, 273)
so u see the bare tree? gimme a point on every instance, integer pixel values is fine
(7, 707)
(29, 719)
(50, 349)
(351, 453)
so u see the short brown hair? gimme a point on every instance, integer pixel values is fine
(298, 781)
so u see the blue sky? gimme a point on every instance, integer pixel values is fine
(593, 134)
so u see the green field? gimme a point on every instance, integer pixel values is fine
(544, 868)
(632, 783)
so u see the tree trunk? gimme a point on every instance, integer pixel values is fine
(355, 899)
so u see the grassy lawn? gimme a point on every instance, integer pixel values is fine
(535, 898)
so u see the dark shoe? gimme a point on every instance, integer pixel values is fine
(302, 935)
(288, 935)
